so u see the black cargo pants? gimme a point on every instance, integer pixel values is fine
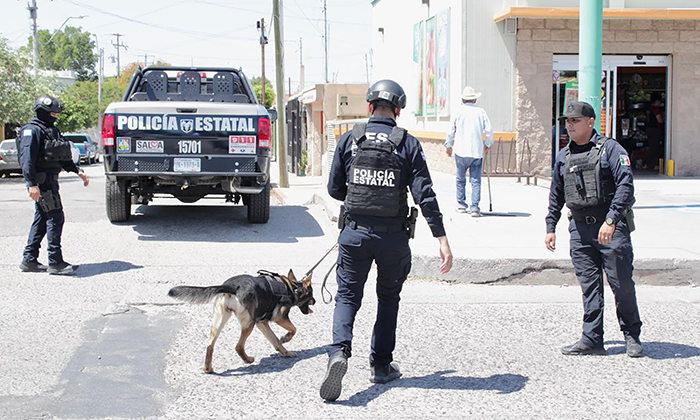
(357, 249)
(48, 221)
(590, 259)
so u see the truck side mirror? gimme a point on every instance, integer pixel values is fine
(273, 114)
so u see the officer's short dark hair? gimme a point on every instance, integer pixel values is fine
(381, 103)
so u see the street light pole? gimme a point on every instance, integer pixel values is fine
(591, 55)
(32, 15)
(99, 71)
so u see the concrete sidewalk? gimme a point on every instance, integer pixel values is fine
(507, 245)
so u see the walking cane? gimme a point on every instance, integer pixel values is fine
(488, 179)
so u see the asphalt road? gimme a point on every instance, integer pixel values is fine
(109, 343)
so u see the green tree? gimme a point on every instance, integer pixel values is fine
(18, 88)
(70, 49)
(269, 91)
(81, 108)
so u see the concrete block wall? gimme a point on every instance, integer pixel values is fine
(539, 39)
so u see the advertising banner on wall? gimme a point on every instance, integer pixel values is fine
(418, 59)
(443, 62)
(430, 67)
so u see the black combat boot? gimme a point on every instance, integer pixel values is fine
(634, 347)
(63, 269)
(32, 267)
(580, 349)
(384, 374)
(333, 381)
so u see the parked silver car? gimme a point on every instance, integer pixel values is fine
(8, 158)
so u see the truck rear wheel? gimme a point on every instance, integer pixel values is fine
(118, 201)
(259, 206)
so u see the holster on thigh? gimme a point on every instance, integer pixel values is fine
(50, 200)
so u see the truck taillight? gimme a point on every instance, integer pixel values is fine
(108, 130)
(264, 133)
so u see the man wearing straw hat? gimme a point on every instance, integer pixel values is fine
(465, 140)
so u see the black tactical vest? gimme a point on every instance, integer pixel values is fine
(56, 147)
(374, 185)
(584, 186)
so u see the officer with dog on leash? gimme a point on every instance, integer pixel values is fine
(593, 176)
(372, 168)
(43, 154)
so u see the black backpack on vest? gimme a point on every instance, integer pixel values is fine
(374, 184)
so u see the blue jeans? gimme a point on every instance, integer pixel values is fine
(474, 165)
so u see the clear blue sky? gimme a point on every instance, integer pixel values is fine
(212, 32)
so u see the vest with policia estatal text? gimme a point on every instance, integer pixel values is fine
(584, 186)
(374, 185)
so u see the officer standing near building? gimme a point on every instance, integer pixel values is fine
(593, 176)
(372, 168)
(43, 153)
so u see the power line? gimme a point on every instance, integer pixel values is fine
(152, 25)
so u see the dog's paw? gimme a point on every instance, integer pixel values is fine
(206, 369)
(289, 354)
(286, 338)
(249, 359)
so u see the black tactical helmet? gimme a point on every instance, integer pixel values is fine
(48, 104)
(387, 90)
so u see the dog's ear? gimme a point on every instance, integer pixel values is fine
(307, 281)
(291, 276)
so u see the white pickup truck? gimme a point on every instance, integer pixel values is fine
(188, 132)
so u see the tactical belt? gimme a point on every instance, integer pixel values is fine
(590, 219)
(379, 228)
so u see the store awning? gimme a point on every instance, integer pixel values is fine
(573, 12)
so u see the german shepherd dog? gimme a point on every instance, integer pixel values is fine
(255, 300)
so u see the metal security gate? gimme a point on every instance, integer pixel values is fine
(295, 135)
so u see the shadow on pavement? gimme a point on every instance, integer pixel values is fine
(503, 383)
(224, 223)
(93, 269)
(274, 363)
(657, 350)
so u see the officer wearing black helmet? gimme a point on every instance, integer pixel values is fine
(43, 153)
(593, 176)
(373, 166)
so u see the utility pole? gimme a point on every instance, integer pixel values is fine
(277, 6)
(263, 41)
(145, 59)
(591, 54)
(325, 34)
(118, 46)
(367, 68)
(301, 67)
(32, 15)
(100, 54)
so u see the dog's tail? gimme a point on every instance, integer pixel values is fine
(192, 294)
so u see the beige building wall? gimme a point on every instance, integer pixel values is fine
(323, 104)
(539, 39)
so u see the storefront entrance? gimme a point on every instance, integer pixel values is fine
(633, 110)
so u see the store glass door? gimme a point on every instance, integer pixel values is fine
(633, 109)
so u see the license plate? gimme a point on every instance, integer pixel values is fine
(187, 165)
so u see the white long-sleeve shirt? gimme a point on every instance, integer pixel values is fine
(467, 130)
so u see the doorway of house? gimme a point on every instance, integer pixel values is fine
(634, 91)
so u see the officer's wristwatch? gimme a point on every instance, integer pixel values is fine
(610, 221)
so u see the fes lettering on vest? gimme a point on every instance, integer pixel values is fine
(186, 125)
(374, 177)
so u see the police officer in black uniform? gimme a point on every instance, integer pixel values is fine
(372, 168)
(43, 153)
(593, 176)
